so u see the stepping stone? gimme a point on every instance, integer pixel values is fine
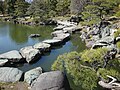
(30, 54)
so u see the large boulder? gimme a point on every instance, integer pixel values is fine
(3, 62)
(33, 74)
(54, 80)
(13, 56)
(52, 42)
(10, 74)
(30, 54)
(43, 47)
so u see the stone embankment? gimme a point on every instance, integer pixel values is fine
(101, 35)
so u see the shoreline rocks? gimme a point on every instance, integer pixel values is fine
(8, 74)
(31, 75)
(54, 80)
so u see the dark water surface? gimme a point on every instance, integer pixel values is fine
(14, 37)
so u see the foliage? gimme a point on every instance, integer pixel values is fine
(20, 7)
(97, 10)
(76, 6)
(94, 57)
(80, 67)
(117, 33)
(62, 7)
(103, 72)
(118, 45)
(83, 75)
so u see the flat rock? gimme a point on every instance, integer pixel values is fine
(43, 47)
(3, 61)
(33, 74)
(10, 74)
(62, 37)
(30, 54)
(53, 42)
(55, 33)
(70, 29)
(60, 27)
(53, 80)
(13, 56)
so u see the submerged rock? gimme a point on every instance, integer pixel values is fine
(43, 47)
(54, 80)
(33, 74)
(10, 74)
(30, 54)
(3, 62)
(34, 35)
(13, 56)
(53, 42)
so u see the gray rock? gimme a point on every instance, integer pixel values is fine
(34, 35)
(98, 45)
(53, 42)
(13, 56)
(33, 74)
(30, 54)
(107, 40)
(62, 37)
(60, 27)
(3, 62)
(90, 44)
(55, 33)
(43, 47)
(54, 80)
(10, 74)
(70, 29)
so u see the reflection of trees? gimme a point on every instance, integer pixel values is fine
(77, 42)
(3, 29)
(20, 33)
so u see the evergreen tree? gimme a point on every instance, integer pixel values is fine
(20, 7)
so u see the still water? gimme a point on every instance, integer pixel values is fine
(14, 37)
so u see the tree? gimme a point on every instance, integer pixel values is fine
(21, 7)
(39, 9)
(96, 11)
(9, 6)
(76, 6)
(62, 7)
(1, 7)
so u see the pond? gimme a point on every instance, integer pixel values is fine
(15, 37)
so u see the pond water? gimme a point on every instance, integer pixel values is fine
(14, 37)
